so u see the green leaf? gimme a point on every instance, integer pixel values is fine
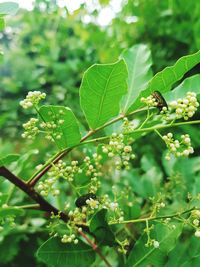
(138, 60)
(164, 80)
(184, 253)
(68, 130)
(2, 24)
(8, 159)
(142, 256)
(101, 90)
(100, 228)
(10, 211)
(8, 8)
(190, 84)
(56, 254)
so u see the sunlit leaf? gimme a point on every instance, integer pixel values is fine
(191, 84)
(164, 80)
(138, 60)
(101, 91)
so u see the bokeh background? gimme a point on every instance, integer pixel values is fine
(48, 45)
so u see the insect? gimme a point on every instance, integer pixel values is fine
(160, 100)
(81, 201)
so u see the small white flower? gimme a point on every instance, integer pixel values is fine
(197, 233)
(156, 244)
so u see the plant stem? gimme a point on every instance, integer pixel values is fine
(44, 205)
(178, 214)
(30, 206)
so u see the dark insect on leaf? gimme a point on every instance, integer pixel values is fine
(81, 201)
(160, 100)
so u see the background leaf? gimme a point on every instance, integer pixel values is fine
(138, 60)
(100, 228)
(142, 256)
(68, 130)
(56, 254)
(191, 84)
(186, 253)
(164, 79)
(101, 91)
(8, 159)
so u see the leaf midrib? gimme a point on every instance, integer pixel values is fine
(104, 94)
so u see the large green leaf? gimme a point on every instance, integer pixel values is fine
(185, 253)
(9, 159)
(138, 60)
(164, 80)
(101, 91)
(68, 129)
(8, 8)
(191, 84)
(56, 254)
(100, 228)
(142, 256)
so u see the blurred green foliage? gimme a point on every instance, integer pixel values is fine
(48, 49)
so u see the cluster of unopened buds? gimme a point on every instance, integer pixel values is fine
(117, 214)
(127, 126)
(31, 129)
(59, 170)
(47, 186)
(69, 239)
(150, 101)
(93, 170)
(32, 99)
(176, 147)
(50, 127)
(195, 216)
(185, 107)
(117, 148)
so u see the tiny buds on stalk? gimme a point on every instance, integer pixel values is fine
(176, 147)
(118, 149)
(127, 126)
(185, 107)
(149, 101)
(31, 130)
(32, 99)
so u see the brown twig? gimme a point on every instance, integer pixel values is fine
(44, 205)
(95, 248)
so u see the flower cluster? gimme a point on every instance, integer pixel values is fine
(150, 101)
(69, 239)
(93, 170)
(59, 170)
(176, 147)
(127, 126)
(50, 127)
(92, 203)
(31, 129)
(195, 216)
(32, 99)
(117, 148)
(185, 107)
